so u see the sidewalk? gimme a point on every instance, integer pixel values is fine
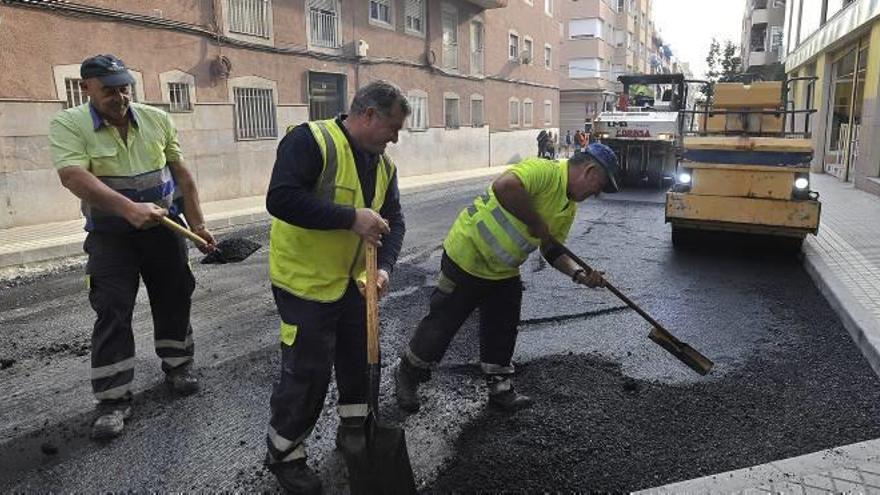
(34, 244)
(844, 262)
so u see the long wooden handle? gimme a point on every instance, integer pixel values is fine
(180, 229)
(372, 293)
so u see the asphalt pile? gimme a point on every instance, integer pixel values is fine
(592, 428)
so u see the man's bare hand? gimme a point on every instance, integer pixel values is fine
(370, 226)
(593, 279)
(208, 237)
(382, 283)
(143, 215)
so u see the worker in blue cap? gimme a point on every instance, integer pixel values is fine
(530, 206)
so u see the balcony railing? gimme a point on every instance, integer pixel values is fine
(324, 29)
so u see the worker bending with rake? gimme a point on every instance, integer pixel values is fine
(332, 189)
(532, 204)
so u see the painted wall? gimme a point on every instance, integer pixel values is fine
(224, 168)
(513, 146)
(440, 150)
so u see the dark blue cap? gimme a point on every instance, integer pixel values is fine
(109, 69)
(605, 157)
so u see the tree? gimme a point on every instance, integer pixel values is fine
(724, 65)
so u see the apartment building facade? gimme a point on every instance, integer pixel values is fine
(762, 38)
(602, 40)
(234, 74)
(838, 41)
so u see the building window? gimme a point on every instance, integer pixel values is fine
(513, 46)
(548, 112)
(585, 28)
(75, 96)
(414, 14)
(758, 38)
(249, 17)
(776, 40)
(778, 4)
(528, 53)
(324, 23)
(478, 118)
(178, 97)
(513, 112)
(255, 113)
(548, 57)
(548, 7)
(620, 5)
(418, 118)
(528, 113)
(449, 20)
(759, 4)
(450, 111)
(380, 11)
(584, 68)
(478, 41)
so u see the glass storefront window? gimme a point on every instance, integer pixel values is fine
(845, 117)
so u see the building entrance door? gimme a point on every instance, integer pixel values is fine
(845, 110)
(326, 95)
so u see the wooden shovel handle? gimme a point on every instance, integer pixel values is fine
(372, 295)
(180, 229)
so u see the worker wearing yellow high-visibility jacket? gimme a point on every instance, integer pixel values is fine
(533, 204)
(333, 189)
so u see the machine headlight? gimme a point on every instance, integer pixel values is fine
(684, 178)
(665, 135)
(603, 135)
(801, 183)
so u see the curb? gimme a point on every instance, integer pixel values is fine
(862, 327)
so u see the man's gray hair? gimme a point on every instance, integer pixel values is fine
(381, 95)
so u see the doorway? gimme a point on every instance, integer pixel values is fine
(326, 95)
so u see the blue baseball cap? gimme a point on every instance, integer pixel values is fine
(109, 69)
(605, 157)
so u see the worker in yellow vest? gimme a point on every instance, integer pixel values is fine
(332, 189)
(532, 204)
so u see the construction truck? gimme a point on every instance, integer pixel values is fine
(645, 131)
(745, 172)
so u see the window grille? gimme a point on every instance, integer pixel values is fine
(418, 118)
(178, 95)
(450, 106)
(75, 96)
(477, 118)
(249, 17)
(324, 23)
(255, 113)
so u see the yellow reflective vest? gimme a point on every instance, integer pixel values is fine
(318, 264)
(487, 241)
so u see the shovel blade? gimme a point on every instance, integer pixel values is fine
(683, 352)
(377, 459)
(231, 251)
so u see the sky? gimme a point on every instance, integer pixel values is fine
(688, 26)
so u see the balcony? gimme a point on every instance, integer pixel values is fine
(489, 4)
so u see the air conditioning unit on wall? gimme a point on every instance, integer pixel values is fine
(362, 48)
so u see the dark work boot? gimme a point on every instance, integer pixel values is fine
(503, 396)
(406, 385)
(182, 381)
(295, 477)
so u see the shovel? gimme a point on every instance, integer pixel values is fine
(375, 454)
(228, 250)
(682, 351)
